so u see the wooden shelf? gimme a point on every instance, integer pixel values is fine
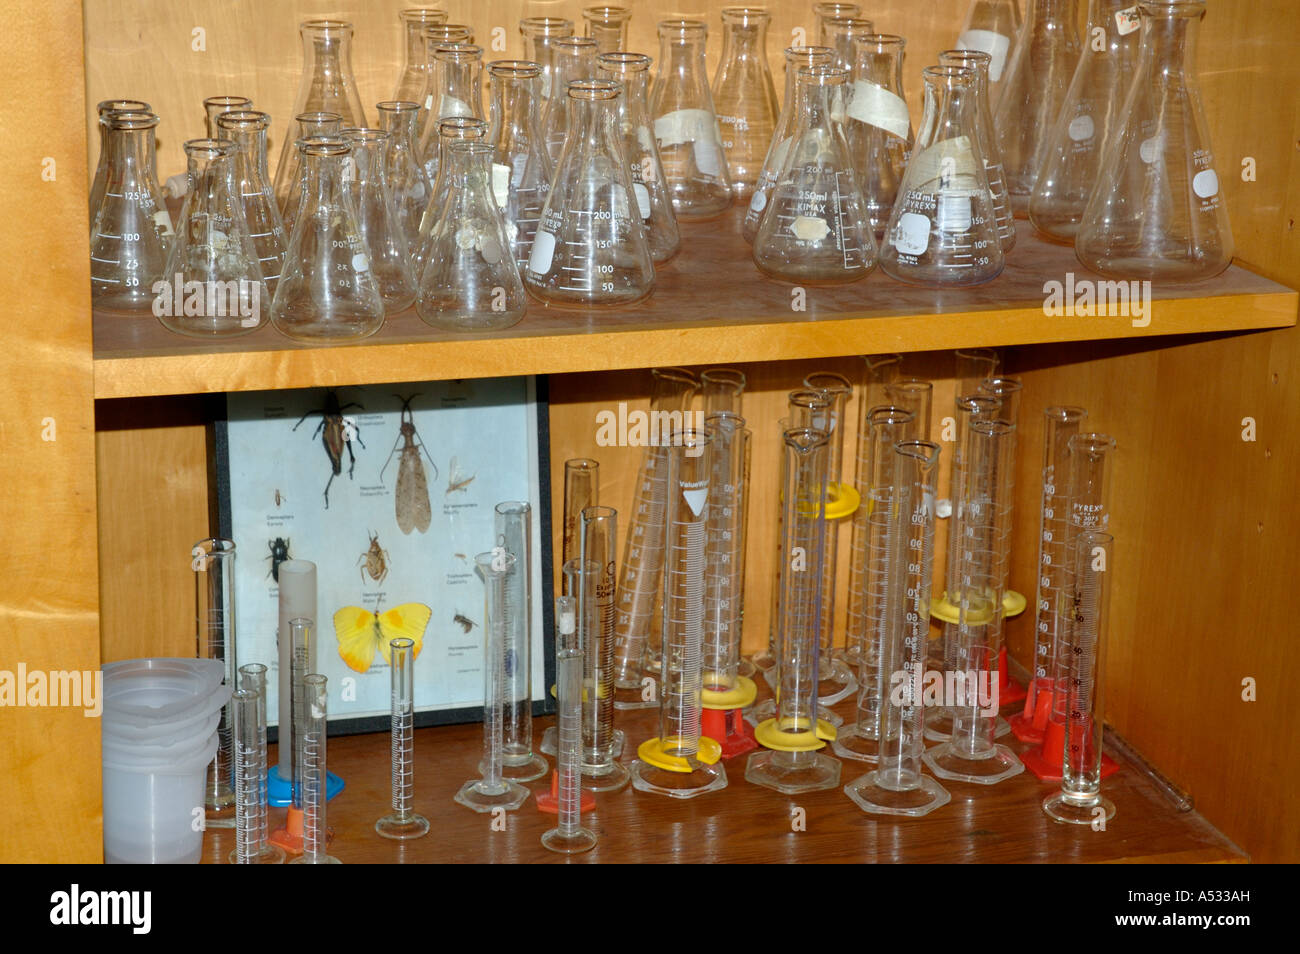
(743, 823)
(710, 305)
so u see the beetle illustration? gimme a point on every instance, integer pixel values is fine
(411, 501)
(337, 433)
(279, 553)
(464, 622)
(374, 561)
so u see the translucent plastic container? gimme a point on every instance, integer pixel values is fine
(150, 807)
(156, 694)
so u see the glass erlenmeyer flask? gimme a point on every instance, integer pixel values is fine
(327, 291)
(608, 27)
(641, 151)
(943, 230)
(435, 35)
(214, 106)
(457, 90)
(288, 177)
(538, 33)
(377, 219)
(1157, 212)
(816, 229)
(403, 166)
(686, 125)
(1033, 91)
(470, 281)
(877, 125)
(130, 230)
(521, 169)
(448, 131)
(414, 78)
(572, 58)
(991, 26)
(796, 58)
(216, 288)
(744, 96)
(978, 62)
(842, 36)
(1072, 158)
(823, 12)
(327, 84)
(101, 169)
(590, 248)
(247, 130)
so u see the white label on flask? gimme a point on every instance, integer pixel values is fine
(349, 169)
(685, 125)
(163, 222)
(953, 212)
(642, 199)
(950, 162)
(543, 251)
(1150, 149)
(360, 263)
(759, 201)
(501, 183)
(994, 44)
(1081, 128)
(451, 106)
(428, 101)
(809, 228)
(645, 138)
(912, 235)
(1126, 21)
(876, 106)
(1206, 183)
(708, 156)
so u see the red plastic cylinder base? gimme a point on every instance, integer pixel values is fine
(1008, 689)
(549, 802)
(1028, 726)
(1047, 761)
(730, 729)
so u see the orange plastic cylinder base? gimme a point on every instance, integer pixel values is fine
(290, 836)
(549, 802)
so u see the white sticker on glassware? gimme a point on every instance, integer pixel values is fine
(809, 228)
(1206, 183)
(1081, 128)
(685, 125)
(708, 156)
(451, 106)
(759, 200)
(163, 222)
(994, 44)
(349, 169)
(490, 249)
(466, 237)
(876, 106)
(953, 211)
(360, 263)
(642, 199)
(950, 161)
(1150, 149)
(520, 166)
(543, 251)
(501, 183)
(1126, 21)
(645, 138)
(912, 234)
(428, 101)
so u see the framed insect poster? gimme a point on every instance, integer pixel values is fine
(391, 491)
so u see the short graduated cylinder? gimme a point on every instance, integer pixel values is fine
(744, 96)
(1080, 801)
(414, 77)
(403, 822)
(877, 125)
(816, 227)
(538, 33)
(607, 26)
(681, 762)
(521, 167)
(791, 762)
(103, 109)
(214, 106)
(601, 742)
(897, 786)
(251, 845)
(493, 790)
(403, 167)
(247, 130)
(568, 836)
(315, 830)
(381, 228)
(213, 562)
(289, 174)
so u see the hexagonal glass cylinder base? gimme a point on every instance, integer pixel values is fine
(528, 768)
(857, 742)
(1078, 809)
(837, 681)
(792, 773)
(699, 781)
(939, 727)
(574, 843)
(606, 778)
(549, 736)
(988, 768)
(269, 855)
(324, 860)
(869, 795)
(402, 828)
(477, 795)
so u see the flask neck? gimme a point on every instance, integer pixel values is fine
(513, 111)
(683, 57)
(401, 126)
(744, 37)
(1169, 32)
(130, 149)
(250, 143)
(884, 67)
(947, 111)
(1052, 14)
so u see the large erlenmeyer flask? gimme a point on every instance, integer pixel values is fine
(744, 96)
(288, 177)
(414, 78)
(366, 175)
(877, 125)
(572, 58)
(1157, 211)
(403, 165)
(247, 130)
(521, 169)
(977, 61)
(992, 26)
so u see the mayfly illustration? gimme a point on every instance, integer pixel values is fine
(457, 480)
(337, 433)
(411, 501)
(374, 561)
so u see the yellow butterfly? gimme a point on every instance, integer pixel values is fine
(360, 632)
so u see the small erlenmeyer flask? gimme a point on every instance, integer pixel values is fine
(403, 167)
(686, 125)
(1157, 211)
(1033, 91)
(538, 34)
(288, 177)
(816, 229)
(590, 248)
(377, 219)
(641, 151)
(991, 26)
(327, 291)
(608, 27)
(457, 90)
(744, 96)
(943, 230)
(435, 35)
(573, 58)
(214, 286)
(214, 106)
(521, 169)
(842, 35)
(977, 61)
(327, 84)
(247, 130)
(130, 230)
(1072, 159)
(448, 131)
(470, 281)
(877, 125)
(832, 11)
(101, 169)
(796, 58)
(414, 78)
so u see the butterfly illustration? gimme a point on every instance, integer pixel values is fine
(360, 632)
